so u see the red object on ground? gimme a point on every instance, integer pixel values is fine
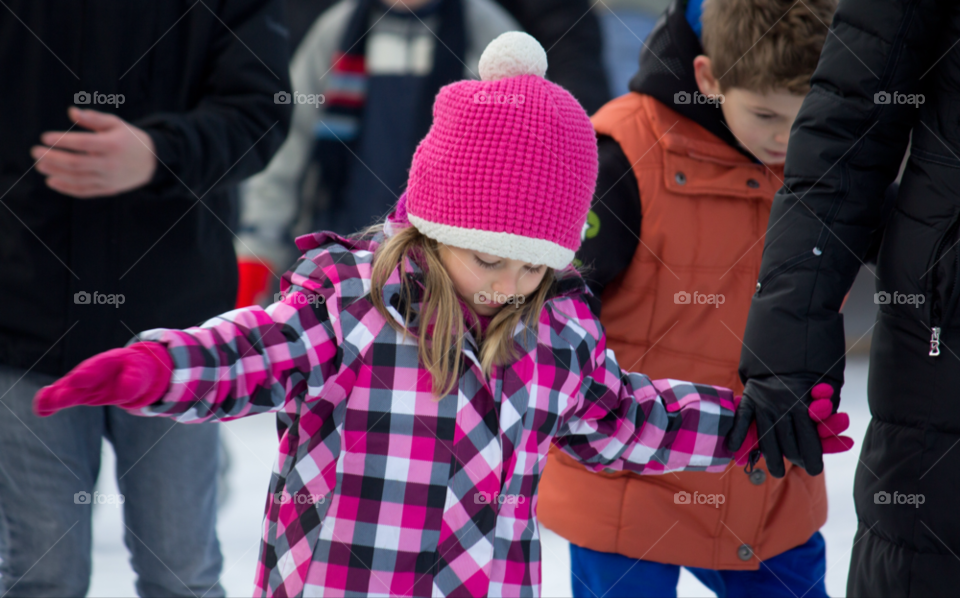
(253, 281)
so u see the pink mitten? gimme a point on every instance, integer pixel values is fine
(829, 424)
(130, 377)
(750, 442)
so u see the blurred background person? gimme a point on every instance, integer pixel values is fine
(365, 77)
(113, 220)
(569, 30)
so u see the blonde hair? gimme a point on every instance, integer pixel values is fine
(764, 45)
(440, 351)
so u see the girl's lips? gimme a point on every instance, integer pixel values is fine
(777, 154)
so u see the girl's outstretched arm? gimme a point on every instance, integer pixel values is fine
(626, 421)
(249, 360)
(243, 362)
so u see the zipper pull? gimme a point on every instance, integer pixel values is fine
(935, 341)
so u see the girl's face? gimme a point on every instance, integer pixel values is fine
(487, 282)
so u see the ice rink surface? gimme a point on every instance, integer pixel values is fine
(253, 446)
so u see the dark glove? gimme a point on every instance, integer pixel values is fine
(780, 407)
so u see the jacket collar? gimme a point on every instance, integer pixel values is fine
(666, 69)
(568, 281)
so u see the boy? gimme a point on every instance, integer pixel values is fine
(690, 160)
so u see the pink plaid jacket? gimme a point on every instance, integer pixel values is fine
(381, 489)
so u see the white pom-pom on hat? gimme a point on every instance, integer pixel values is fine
(512, 54)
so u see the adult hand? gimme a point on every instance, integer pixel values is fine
(115, 157)
(783, 424)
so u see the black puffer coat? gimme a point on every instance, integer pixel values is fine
(200, 79)
(845, 149)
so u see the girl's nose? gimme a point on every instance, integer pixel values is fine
(504, 286)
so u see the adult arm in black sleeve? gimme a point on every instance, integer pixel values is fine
(235, 126)
(569, 31)
(613, 230)
(845, 150)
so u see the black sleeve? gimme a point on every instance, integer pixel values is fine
(235, 126)
(845, 150)
(613, 226)
(889, 201)
(569, 31)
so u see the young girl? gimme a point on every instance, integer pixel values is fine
(420, 373)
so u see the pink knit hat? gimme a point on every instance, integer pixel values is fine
(510, 163)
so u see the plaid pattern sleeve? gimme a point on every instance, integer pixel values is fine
(255, 360)
(624, 420)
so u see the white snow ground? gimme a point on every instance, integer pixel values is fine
(253, 446)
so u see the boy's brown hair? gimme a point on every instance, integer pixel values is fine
(763, 45)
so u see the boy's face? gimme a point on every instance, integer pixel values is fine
(489, 283)
(760, 121)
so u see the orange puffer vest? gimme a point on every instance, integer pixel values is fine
(679, 311)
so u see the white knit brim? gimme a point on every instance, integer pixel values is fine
(505, 245)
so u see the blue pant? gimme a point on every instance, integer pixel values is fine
(167, 476)
(796, 573)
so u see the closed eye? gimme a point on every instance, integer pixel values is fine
(484, 264)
